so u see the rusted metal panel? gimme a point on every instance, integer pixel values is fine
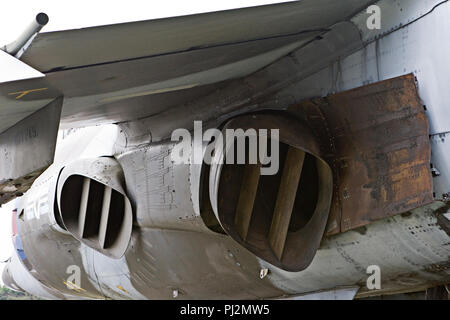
(376, 139)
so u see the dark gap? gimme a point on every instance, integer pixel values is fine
(206, 211)
(70, 202)
(307, 195)
(57, 215)
(94, 209)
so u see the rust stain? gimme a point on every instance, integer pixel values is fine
(376, 140)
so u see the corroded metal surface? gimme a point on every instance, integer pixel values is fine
(376, 140)
(11, 189)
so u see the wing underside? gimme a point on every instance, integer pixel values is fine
(123, 72)
(127, 71)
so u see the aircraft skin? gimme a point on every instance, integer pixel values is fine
(166, 245)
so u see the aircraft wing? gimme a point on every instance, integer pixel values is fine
(117, 73)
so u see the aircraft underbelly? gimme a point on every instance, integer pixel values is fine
(410, 250)
(181, 249)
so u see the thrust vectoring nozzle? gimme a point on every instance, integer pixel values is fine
(17, 47)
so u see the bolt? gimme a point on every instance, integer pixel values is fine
(263, 273)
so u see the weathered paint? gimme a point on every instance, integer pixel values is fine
(173, 251)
